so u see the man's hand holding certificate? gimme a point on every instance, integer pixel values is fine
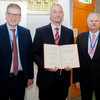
(61, 56)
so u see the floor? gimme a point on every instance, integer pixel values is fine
(79, 98)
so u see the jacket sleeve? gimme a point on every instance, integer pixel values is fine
(37, 50)
(76, 71)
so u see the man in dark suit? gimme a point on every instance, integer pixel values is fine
(16, 66)
(53, 83)
(88, 76)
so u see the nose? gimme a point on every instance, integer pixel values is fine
(14, 16)
(57, 14)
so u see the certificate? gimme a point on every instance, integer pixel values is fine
(61, 56)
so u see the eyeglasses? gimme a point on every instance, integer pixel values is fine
(11, 15)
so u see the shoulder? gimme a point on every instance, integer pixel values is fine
(3, 26)
(24, 32)
(43, 28)
(23, 28)
(81, 35)
(42, 31)
(66, 29)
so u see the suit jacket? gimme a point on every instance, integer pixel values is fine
(25, 51)
(45, 35)
(89, 68)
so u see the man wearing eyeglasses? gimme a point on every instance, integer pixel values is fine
(16, 66)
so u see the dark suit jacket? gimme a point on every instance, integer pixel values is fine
(89, 68)
(44, 35)
(25, 51)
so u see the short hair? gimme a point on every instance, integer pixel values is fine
(93, 14)
(13, 5)
(55, 5)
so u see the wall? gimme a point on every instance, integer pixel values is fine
(80, 13)
(97, 6)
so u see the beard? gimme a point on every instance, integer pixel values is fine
(55, 20)
(58, 21)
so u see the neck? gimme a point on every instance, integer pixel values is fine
(11, 26)
(94, 31)
(56, 24)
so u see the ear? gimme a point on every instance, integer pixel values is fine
(6, 15)
(19, 19)
(87, 24)
(63, 13)
(49, 13)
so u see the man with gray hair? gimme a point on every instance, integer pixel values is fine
(87, 77)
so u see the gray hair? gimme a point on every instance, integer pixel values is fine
(93, 14)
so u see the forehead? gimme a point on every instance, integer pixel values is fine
(14, 9)
(57, 8)
(95, 17)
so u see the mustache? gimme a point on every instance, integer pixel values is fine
(93, 25)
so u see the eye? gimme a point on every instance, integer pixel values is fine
(54, 12)
(96, 20)
(91, 20)
(17, 15)
(60, 11)
(10, 14)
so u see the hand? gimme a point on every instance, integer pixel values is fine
(30, 82)
(77, 85)
(52, 69)
(67, 68)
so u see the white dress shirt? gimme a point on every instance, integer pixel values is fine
(11, 38)
(54, 30)
(91, 55)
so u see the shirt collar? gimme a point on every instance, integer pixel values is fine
(53, 26)
(94, 33)
(9, 28)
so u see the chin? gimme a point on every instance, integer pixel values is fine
(58, 21)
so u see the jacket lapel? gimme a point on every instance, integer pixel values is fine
(20, 41)
(5, 36)
(50, 34)
(86, 40)
(61, 35)
(97, 51)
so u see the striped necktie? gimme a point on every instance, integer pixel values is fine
(57, 42)
(57, 36)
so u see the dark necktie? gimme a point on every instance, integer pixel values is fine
(57, 36)
(15, 54)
